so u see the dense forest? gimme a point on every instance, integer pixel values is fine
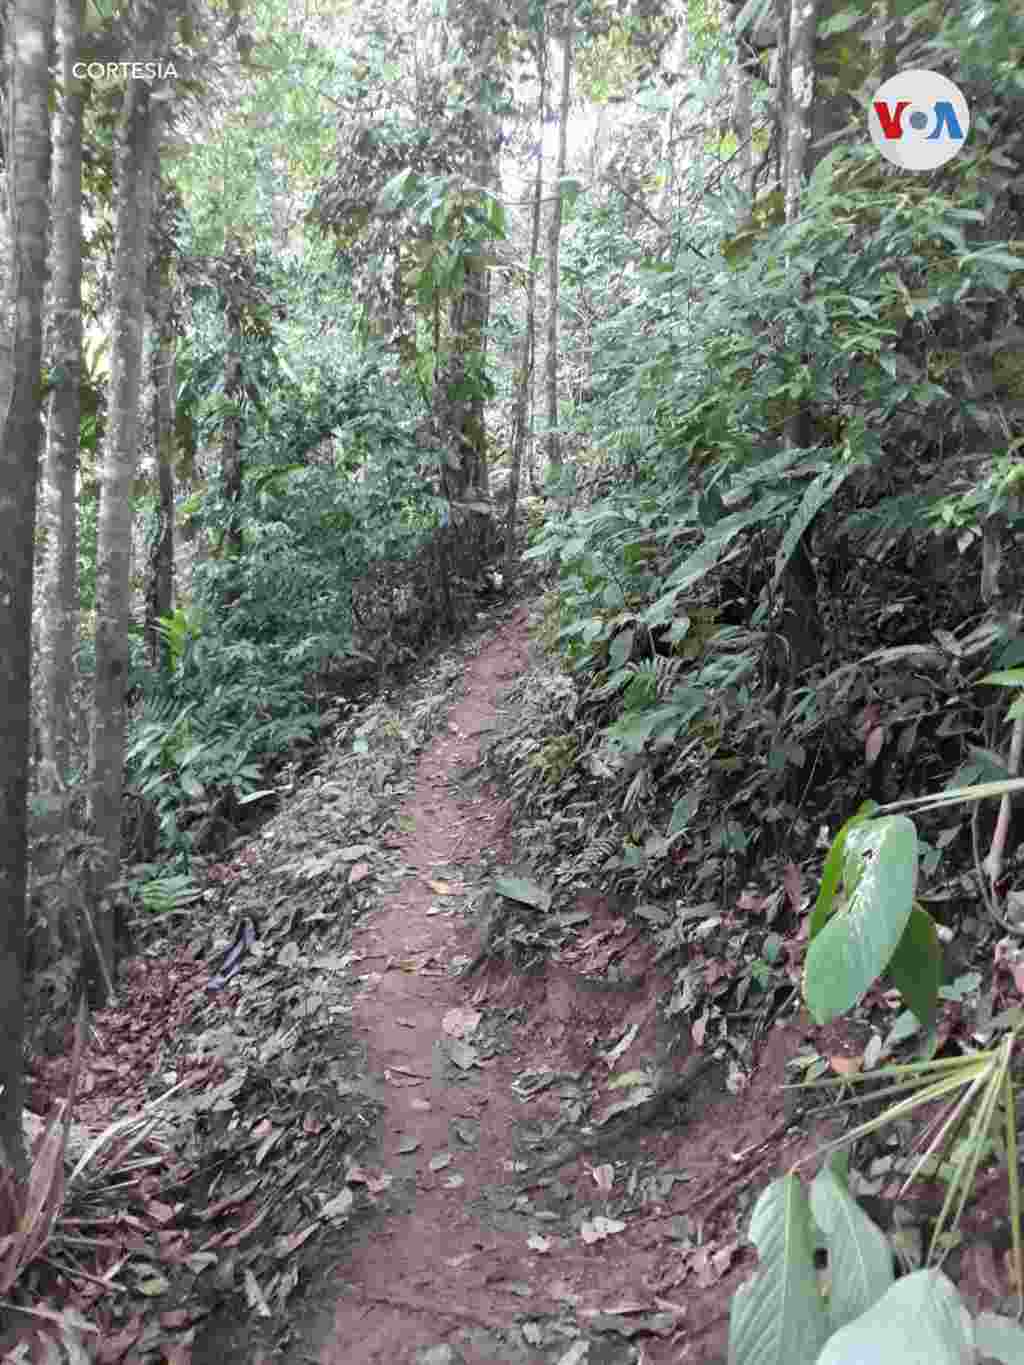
(330, 328)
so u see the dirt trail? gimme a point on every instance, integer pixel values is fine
(467, 1261)
(372, 1159)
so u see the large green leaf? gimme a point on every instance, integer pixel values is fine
(832, 872)
(859, 1254)
(857, 944)
(816, 496)
(707, 555)
(916, 966)
(621, 648)
(920, 1321)
(999, 1337)
(778, 1317)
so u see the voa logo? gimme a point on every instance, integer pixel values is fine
(919, 120)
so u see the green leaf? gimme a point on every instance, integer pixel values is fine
(520, 889)
(859, 1254)
(919, 1321)
(1000, 1337)
(840, 23)
(1007, 677)
(621, 648)
(832, 872)
(994, 257)
(751, 14)
(682, 813)
(653, 101)
(665, 721)
(704, 559)
(394, 191)
(916, 966)
(855, 947)
(778, 1317)
(817, 495)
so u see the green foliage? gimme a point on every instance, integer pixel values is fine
(874, 926)
(858, 1312)
(174, 761)
(159, 892)
(333, 488)
(178, 632)
(274, 140)
(698, 376)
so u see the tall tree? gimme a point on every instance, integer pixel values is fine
(742, 115)
(803, 29)
(28, 163)
(674, 62)
(160, 566)
(231, 444)
(461, 379)
(59, 586)
(810, 118)
(528, 347)
(137, 141)
(801, 623)
(554, 239)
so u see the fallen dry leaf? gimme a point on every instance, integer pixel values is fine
(846, 1066)
(597, 1229)
(604, 1178)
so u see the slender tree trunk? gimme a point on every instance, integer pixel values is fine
(464, 413)
(742, 116)
(28, 152)
(801, 627)
(531, 297)
(782, 12)
(675, 62)
(231, 447)
(59, 587)
(554, 240)
(461, 392)
(802, 34)
(6, 228)
(136, 157)
(160, 568)
(597, 146)
(529, 345)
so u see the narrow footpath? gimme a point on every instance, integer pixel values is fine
(606, 1257)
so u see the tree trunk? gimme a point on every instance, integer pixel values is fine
(231, 447)
(782, 13)
(136, 157)
(530, 448)
(674, 61)
(461, 388)
(801, 626)
(160, 567)
(742, 116)
(59, 586)
(526, 359)
(554, 239)
(28, 163)
(800, 85)
(529, 345)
